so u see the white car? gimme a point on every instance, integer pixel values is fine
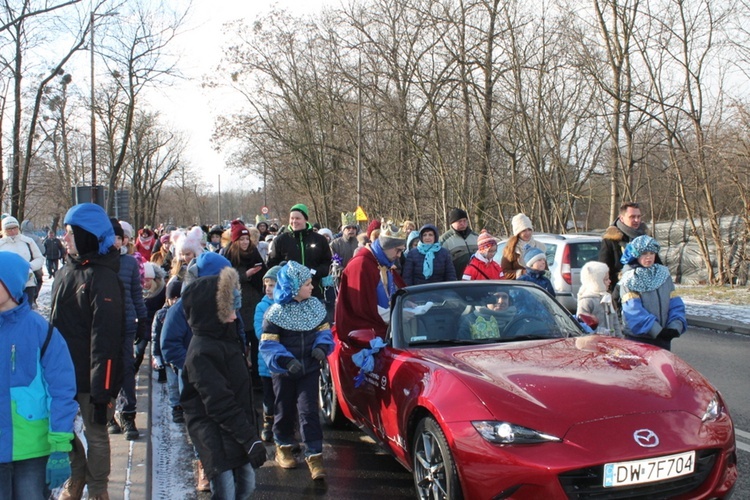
(566, 255)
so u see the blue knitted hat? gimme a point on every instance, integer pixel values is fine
(272, 273)
(210, 264)
(14, 273)
(533, 254)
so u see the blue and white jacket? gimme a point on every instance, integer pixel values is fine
(37, 395)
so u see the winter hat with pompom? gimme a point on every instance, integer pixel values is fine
(192, 241)
(485, 241)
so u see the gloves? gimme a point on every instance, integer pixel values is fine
(318, 354)
(100, 414)
(668, 334)
(144, 331)
(58, 469)
(257, 454)
(294, 367)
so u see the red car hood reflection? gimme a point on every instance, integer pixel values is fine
(550, 385)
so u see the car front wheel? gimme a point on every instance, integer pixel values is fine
(435, 475)
(329, 403)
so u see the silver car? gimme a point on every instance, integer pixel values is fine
(566, 255)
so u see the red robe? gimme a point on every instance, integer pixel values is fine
(357, 304)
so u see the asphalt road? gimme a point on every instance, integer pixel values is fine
(358, 469)
(724, 358)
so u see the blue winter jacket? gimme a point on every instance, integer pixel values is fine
(175, 335)
(37, 396)
(539, 279)
(135, 307)
(260, 310)
(645, 314)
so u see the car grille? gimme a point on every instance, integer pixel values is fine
(587, 483)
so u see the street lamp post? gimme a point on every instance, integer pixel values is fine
(93, 119)
(359, 131)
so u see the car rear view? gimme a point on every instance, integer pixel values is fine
(566, 255)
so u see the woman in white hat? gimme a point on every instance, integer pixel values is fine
(523, 238)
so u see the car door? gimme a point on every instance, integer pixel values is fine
(375, 397)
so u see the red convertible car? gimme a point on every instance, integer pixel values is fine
(491, 390)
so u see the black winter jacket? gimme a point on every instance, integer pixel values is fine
(53, 249)
(217, 397)
(252, 287)
(306, 247)
(89, 310)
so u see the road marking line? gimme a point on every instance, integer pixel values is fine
(742, 446)
(743, 434)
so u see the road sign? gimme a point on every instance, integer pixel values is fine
(264, 210)
(360, 215)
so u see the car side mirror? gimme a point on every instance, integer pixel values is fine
(361, 338)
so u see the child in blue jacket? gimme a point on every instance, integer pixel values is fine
(296, 339)
(269, 283)
(536, 269)
(37, 397)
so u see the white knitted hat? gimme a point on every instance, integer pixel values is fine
(520, 222)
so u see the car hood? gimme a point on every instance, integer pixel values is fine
(551, 385)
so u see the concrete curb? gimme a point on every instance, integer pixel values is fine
(721, 325)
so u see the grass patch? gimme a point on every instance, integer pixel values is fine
(719, 294)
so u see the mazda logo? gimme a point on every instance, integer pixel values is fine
(646, 438)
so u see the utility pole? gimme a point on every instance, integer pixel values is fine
(93, 119)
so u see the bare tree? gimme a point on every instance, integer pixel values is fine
(136, 56)
(155, 155)
(22, 22)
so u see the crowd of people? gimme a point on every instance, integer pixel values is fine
(230, 309)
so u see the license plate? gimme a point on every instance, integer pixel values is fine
(649, 470)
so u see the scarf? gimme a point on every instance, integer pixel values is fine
(146, 241)
(297, 316)
(429, 252)
(645, 279)
(384, 266)
(629, 231)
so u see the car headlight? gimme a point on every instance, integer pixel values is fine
(507, 433)
(714, 409)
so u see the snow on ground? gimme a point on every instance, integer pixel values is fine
(172, 469)
(719, 312)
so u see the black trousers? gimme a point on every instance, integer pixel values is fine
(297, 397)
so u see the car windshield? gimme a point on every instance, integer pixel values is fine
(482, 314)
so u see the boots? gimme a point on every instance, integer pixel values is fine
(267, 433)
(315, 464)
(113, 427)
(178, 415)
(127, 420)
(285, 457)
(202, 484)
(72, 489)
